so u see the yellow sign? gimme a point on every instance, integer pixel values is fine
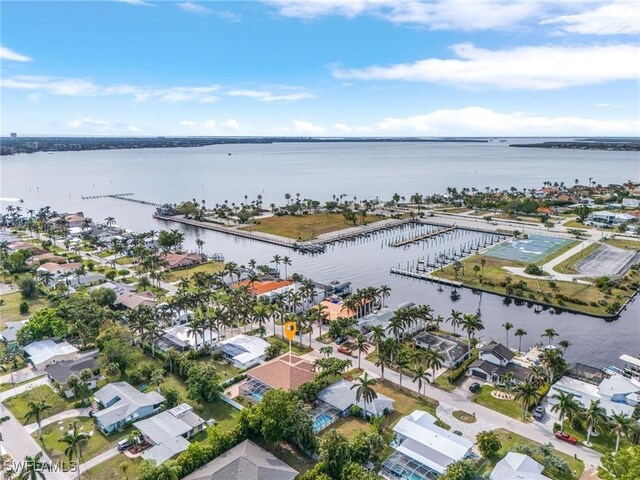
(290, 330)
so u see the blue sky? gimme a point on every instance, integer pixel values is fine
(321, 67)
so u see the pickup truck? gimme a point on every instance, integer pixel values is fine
(565, 437)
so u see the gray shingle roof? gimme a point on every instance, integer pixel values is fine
(129, 401)
(499, 349)
(61, 371)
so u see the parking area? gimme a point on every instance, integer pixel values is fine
(607, 260)
(528, 250)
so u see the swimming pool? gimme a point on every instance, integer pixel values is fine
(322, 421)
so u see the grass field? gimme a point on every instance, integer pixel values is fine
(405, 402)
(19, 408)
(621, 243)
(349, 426)
(510, 441)
(307, 227)
(208, 267)
(517, 218)
(492, 277)
(511, 408)
(576, 224)
(112, 468)
(10, 309)
(568, 265)
(97, 443)
(295, 346)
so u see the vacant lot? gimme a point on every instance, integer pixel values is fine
(208, 267)
(18, 405)
(620, 243)
(307, 227)
(10, 308)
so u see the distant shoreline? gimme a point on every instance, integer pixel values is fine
(621, 146)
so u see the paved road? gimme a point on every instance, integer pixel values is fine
(21, 375)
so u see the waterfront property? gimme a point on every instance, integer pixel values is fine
(43, 353)
(423, 450)
(60, 372)
(245, 461)
(168, 432)
(182, 260)
(494, 362)
(122, 404)
(382, 317)
(631, 365)
(287, 372)
(334, 309)
(453, 351)
(342, 395)
(517, 466)
(244, 351)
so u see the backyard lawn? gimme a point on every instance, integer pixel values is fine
(10, 308)
(18, 404)
(349, 426)
(405, 402)
(511, 408)
(208, 267)
(307, 227)
(97, 443)
(113, 469)
(511, 441)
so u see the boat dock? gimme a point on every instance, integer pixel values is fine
(424, 276)
(122, 196)
(423, 236)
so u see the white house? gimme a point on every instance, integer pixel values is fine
(382, 318)
(494, 361)
(607, 218)
(244, 350)
(631, 202)
(179, 336)
(341, 396)
(122, 404)
(168, 432)
(47, 352)
(422, 449)
(516, 466)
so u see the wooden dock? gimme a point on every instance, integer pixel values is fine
(122, 196)
(424, 276)
(424, 236)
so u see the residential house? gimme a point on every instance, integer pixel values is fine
(43, 353)
(453, 351)
(494, 361)
(631, 202)
(180, 337)
(10, 333)
(334, 309)
(168, 432)
(74, 220)
(47, 257)
(244, 351)
(342, 395)
(127, 296)
(31, 248)
(383, 317)
(59, 372)
(423, 450)
(59, 270)
(245, 461)
(122, 404)
(287, 372)
(182, 260)
(516, 466)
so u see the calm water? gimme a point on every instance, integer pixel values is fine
(319, 171)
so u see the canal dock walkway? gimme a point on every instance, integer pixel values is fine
(423, 236)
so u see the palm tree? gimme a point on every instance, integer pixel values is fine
(471, 324)
(32, 468)
(421, 376)
(620, 423)
(507, 326)
(360, 345)
(528, 393)
(385, 351)
(364, 390)
(377, 335)
(402, 361)
(109, 221)
(433, 360)
(36, 409)
(276, 259)
(564, 344)
(595, 415)
(75, 439)
(520, 333)
(455, 319)
(384, 291)
(566, 407)
(550, 334)
(286, 261)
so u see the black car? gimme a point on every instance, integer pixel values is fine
(474, 387)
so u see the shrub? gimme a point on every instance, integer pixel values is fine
(533, 269)
(28, 288)
(24, 307)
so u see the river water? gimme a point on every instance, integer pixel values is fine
(366, 170)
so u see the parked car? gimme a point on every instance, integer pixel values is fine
(539, 412)
(345, 350)
(341, 340)
(474, 387)
(123, 444)
(565, 437)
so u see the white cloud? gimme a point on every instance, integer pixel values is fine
(210, 125)
(137, 3)
(187, 123)
(302, 126)
(342, 127)
(618, 17)
(194, 8)
(267, 96)
(10, 55)
(478, 121)
(537, 67)
(232, 124)
(210, 99)
(87, 121)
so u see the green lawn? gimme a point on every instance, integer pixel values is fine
(295, 346)
(568, 265)
(7, 386)
(97, 443)
(464, 416)
(307, 227)
(576, 224)
(511, 408)
(510, 441)
(112, 469)
(10, 309)
(442, 382)
(604, 442)
(18, 404)
(349, 426)
(207, 267)
(623, 243)
(406, 401)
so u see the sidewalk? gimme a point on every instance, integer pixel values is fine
(74, 412)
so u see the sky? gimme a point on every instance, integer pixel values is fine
(426, 68)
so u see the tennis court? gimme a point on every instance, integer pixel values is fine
(529, 250)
